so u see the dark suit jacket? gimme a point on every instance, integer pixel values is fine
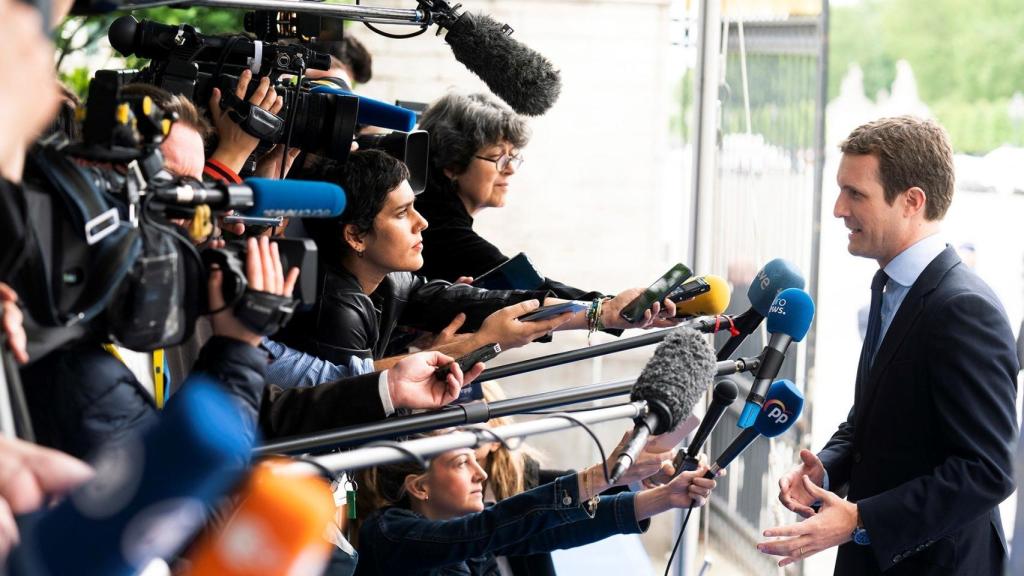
(926, 450)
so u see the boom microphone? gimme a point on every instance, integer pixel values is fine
(711, 303)
(149, 495)
(789, 318)
(775, 277)
(521, 77)
(278, 527)
(780, 411)
(674, 379)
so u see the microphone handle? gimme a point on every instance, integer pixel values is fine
(746, 323)
(738, 445)
(636, 444)
(714, 414)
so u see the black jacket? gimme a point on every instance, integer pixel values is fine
(451, 248)
(346, 322)
(926, 451)
(83, 397)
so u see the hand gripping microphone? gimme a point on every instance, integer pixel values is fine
(521, 77)
(261, 197)
(775, 277)
(780, 411)
(674, 379)
(789, 318)
(711, 303)
(724, 395)
(277, 528)
(150, 494)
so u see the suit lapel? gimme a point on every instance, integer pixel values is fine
(902, 322)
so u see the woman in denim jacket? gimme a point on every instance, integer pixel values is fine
(437, 523)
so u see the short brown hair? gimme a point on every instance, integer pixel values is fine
(186, 111)
(911, 152)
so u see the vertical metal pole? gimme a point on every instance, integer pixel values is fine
(707, 111)
(819, 177)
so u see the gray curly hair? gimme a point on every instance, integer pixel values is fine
(460, 125)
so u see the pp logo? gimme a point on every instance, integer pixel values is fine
(775, 411)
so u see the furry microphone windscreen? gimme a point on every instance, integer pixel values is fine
(524, 79)
(676, 377)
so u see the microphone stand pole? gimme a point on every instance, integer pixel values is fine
(432, 446)
(706, 325)
(471, 413)
(373, 14)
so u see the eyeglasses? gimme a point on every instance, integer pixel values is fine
(505, 160)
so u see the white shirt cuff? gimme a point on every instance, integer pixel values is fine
(385, 395)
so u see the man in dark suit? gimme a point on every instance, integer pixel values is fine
(925, 455)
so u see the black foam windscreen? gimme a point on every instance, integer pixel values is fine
(676, 377)
(523, 78)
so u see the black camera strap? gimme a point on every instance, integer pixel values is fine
(264, 313)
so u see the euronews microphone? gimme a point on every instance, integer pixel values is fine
(775, 277)
(150, 494)
(781, 409)
(711, 303)
(671, 383)
(789, 319)
(277, 528)
(261, 197)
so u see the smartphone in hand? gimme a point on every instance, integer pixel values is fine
(545, 312)
(656, 292)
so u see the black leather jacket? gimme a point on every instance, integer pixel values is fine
(346, 322)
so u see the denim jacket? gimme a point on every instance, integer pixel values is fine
(397, 541)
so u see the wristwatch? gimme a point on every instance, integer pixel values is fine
(860, 535)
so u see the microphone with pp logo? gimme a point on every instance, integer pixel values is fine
(671, 383)
(776, 276)
(780, 411)
(789, 319)
(150, 494)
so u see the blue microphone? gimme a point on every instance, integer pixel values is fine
(789, 318)
(376, 112)
(150, 493)
(780, 411)
(295, 198)
(776, 276)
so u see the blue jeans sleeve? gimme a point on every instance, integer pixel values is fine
(402, 540)
(616, 514)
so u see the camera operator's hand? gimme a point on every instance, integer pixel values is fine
(264, 273)
(412, 384)
(659, 315)
(269, 165)
(505, 328)
(28, 474)
(235, 145)
(28, 84)
(12, 323)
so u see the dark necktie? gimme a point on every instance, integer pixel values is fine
(867, 353)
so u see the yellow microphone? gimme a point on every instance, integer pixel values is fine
(278, 527)
(710, 303)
